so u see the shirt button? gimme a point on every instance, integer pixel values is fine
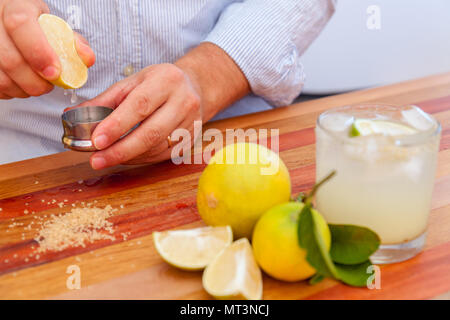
(128, 70)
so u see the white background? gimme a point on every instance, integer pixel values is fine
(414, 41)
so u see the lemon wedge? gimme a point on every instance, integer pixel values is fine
(74, 72)
(234, 273)
(365, 127)
(192, 249)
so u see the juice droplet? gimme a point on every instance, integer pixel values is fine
(73, 95)
(73, 98)
(93, 182)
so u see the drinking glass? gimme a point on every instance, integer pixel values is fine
(383, 181)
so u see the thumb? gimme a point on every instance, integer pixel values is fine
(84, 50)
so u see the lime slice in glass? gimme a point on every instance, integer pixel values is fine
(366, 127)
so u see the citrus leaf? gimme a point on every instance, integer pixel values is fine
(352, 244)
(309, 238)
(316, 279)
(355, 275)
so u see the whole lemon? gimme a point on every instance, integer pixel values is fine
(241, 182)
(275, 243)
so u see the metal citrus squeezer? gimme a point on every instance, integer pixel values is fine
(79, 124)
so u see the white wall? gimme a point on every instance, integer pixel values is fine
(413, 41)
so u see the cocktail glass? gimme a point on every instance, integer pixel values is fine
(383, 181)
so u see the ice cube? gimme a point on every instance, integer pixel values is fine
(337, 122)
(418, 119)
(413, 168)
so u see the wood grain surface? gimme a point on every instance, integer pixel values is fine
(162, 196)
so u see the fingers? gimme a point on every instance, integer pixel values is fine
(42, 6)
(151, 157)
(112, 96)
(4, 97)
(9, 88)
(152, 133)
(163, 151)
(160, 98)
(14, 66)
(136, 107)
(20, 20)
(84, 50)
(27, 60)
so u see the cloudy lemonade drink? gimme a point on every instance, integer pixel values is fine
(385, 158)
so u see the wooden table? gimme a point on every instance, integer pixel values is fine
(162, 196)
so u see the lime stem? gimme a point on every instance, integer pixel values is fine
(316, 187)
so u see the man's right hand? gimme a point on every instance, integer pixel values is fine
(27, 61)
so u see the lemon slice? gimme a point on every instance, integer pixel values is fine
(59, 34)
(365, 127)
(234, 273)
(192, 249)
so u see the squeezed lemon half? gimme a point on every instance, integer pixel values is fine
(234, 273)
(192, 249)
(74, 73)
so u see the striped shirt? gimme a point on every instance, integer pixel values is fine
(264, 37)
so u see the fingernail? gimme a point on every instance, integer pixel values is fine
(101, 142)
(50, 72)
(98, 162)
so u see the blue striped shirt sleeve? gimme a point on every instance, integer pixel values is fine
(266, 38)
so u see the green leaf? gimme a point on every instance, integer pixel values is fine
(316, 279)
(309, 238)
(352, 244)
(355, 275)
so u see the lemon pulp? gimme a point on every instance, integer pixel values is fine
(192, 249)
(59, 34)
(234, 273)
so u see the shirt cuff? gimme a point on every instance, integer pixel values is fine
(266, 40)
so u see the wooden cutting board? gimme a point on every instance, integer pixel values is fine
(162, 196)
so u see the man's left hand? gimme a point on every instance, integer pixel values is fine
(161, 98)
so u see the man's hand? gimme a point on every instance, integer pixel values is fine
(27, 61)
(163, 98)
